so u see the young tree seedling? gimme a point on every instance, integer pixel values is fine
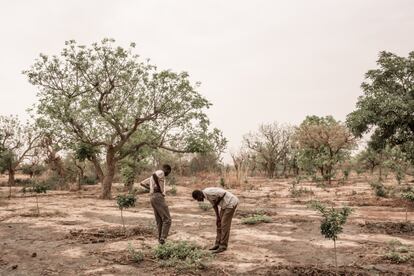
(38, 189)
(409, 197)
(332, 222)
(124, 202)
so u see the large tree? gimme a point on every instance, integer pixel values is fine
(387, 105)
(107, 100)
(18, 142)
(270, 145)
(323, 142)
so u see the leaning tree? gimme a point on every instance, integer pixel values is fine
(387, 105)
(106, 100)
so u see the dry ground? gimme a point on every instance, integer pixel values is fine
(78, 234)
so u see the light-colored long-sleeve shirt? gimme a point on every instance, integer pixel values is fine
(214, 194)
(151, 182)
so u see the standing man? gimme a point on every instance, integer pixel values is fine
(156, 185)
(228, 204)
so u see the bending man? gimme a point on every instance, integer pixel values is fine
(228, 204)
(156, 185)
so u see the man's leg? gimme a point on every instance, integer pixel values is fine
(226, 218)
(218, 235)
(164, 213)
(157, 218)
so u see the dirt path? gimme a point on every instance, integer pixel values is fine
(78, 234)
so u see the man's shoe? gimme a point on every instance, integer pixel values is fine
(215, 247)
(219, 250)
(161, 241)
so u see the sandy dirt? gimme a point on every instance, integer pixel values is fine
(79, 234)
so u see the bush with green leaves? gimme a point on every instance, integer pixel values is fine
(332, 222)
(297, 192)
(378, 188)
(182, 255)
(256, 219)
(205, 206)
(39, 189)
(136, 255)
(398, 253)
(124, 202)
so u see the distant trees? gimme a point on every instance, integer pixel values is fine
(270, 145)
(18, 142)
(387, 105)
(322, 142)
(106, 98)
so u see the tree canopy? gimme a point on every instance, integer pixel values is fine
(387, 105)
(111, 103)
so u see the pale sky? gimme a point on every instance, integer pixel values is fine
(258, 61)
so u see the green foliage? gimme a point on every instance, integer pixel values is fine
(136, 255)
(387, 104)
(182, 255)
(295, 192)
(32, 169)
(125, 201)
(322, 143)
(378, 188)
(135, 104)
(408, 196)
(173, 190)
(40, 188)
(222, 182)
(256, 219)
(398, 253)
(204, 206)
(332, 219)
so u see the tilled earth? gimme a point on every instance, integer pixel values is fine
(79, 234)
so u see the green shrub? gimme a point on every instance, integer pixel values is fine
(173, 190)
(255, 219)
(222, 182)
(378, 188)
(182, 255)
(136, 255)
(204, 206)
(332, 221)
(398, 253)
(124, 202)
(295, 192)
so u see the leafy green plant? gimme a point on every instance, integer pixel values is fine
(38, 189)
(378, 188)
(332, 222)
(124, 202)
(173, 190)
(204, 206)
(222, 182)
(398, 253)
(295, 192)
(136, 255)
(255, 219)
(182, 255)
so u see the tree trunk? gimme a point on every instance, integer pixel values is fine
(110, 173)
(11, 180)
(336, 260)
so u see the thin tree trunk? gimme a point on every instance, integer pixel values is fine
(109, 177)
(122, 218)
(37, 205)
(336, 260)
(11, 181)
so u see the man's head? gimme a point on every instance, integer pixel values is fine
(198, 195)
(166, 169)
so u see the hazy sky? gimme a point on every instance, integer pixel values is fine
(258, 61)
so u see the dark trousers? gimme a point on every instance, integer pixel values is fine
(162, 215)
(223, 231)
